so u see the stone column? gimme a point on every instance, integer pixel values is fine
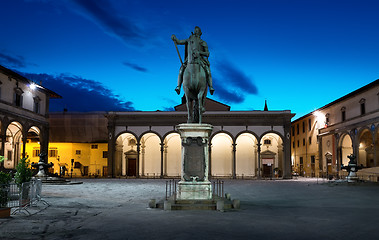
(24, 140)
(138, 158)
(287, 150)
(259, 160)
(338, 155)
(234, 161)
(111, 145)
(162, 154)
(210, 160)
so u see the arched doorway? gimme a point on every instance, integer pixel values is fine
(126, 155)
(346, 149)
(172, 155)
(366, 149)
(222, 155)
(246, 155)
(13, 145)
(150, 155)
(271, 155)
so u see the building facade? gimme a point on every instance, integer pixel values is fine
(24, 111)
(243, 144)
(322, 139)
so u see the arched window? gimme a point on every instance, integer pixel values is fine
(17, 99)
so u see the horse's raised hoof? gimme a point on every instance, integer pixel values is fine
(211, 90)
(177, 90)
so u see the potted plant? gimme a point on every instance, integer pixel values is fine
(23, 175)
(5, 179)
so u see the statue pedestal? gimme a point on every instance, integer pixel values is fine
(194, 182)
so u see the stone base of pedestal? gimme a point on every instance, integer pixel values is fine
(352, 177)
(194, 190)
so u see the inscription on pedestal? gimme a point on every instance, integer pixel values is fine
(194, 158)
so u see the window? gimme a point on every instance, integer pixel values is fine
(293, 131)
(293, 144)
(94, 146)
(53, 152)
(343, 114)
(105, 154)
(267, 141)
(310, 140)
(303, 141)
(327, 120)
(18, 96)
(304, 127)
(313, 159)
(10, 155)
(297, 129)
(78, 152)
(309, 124)
(36, 152)
(36, 105)
(301, 161)
(298, 143)
(363, 106)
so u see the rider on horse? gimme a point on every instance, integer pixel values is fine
(200, 55)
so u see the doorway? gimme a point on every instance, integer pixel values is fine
(132, 167)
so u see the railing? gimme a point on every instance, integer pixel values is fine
(218, 188)
(171, 188)
(21, 198)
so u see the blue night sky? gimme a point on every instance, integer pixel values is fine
(109, 55)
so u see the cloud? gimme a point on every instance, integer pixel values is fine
(232, 85)
(135, 67)
(105, 15)
(80, 94)
(13, 62)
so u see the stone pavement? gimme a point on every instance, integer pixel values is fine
(281, 209)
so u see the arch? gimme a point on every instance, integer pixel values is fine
(150, 154)
(272, 157)
(221, 154)
(152, 132)
(33, 147)
(222, 131)
(172, 155)
(366, 148)
(346, 146)
(246, 154)
(126, 155)
(13, 143)
(248, 132)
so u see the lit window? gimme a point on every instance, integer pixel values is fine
(36, 152)
(53, 152)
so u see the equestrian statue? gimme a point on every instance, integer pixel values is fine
(194, 74)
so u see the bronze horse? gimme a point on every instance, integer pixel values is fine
(195, 88)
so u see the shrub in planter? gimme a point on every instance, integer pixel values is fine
(23, 175)
(5, 179)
